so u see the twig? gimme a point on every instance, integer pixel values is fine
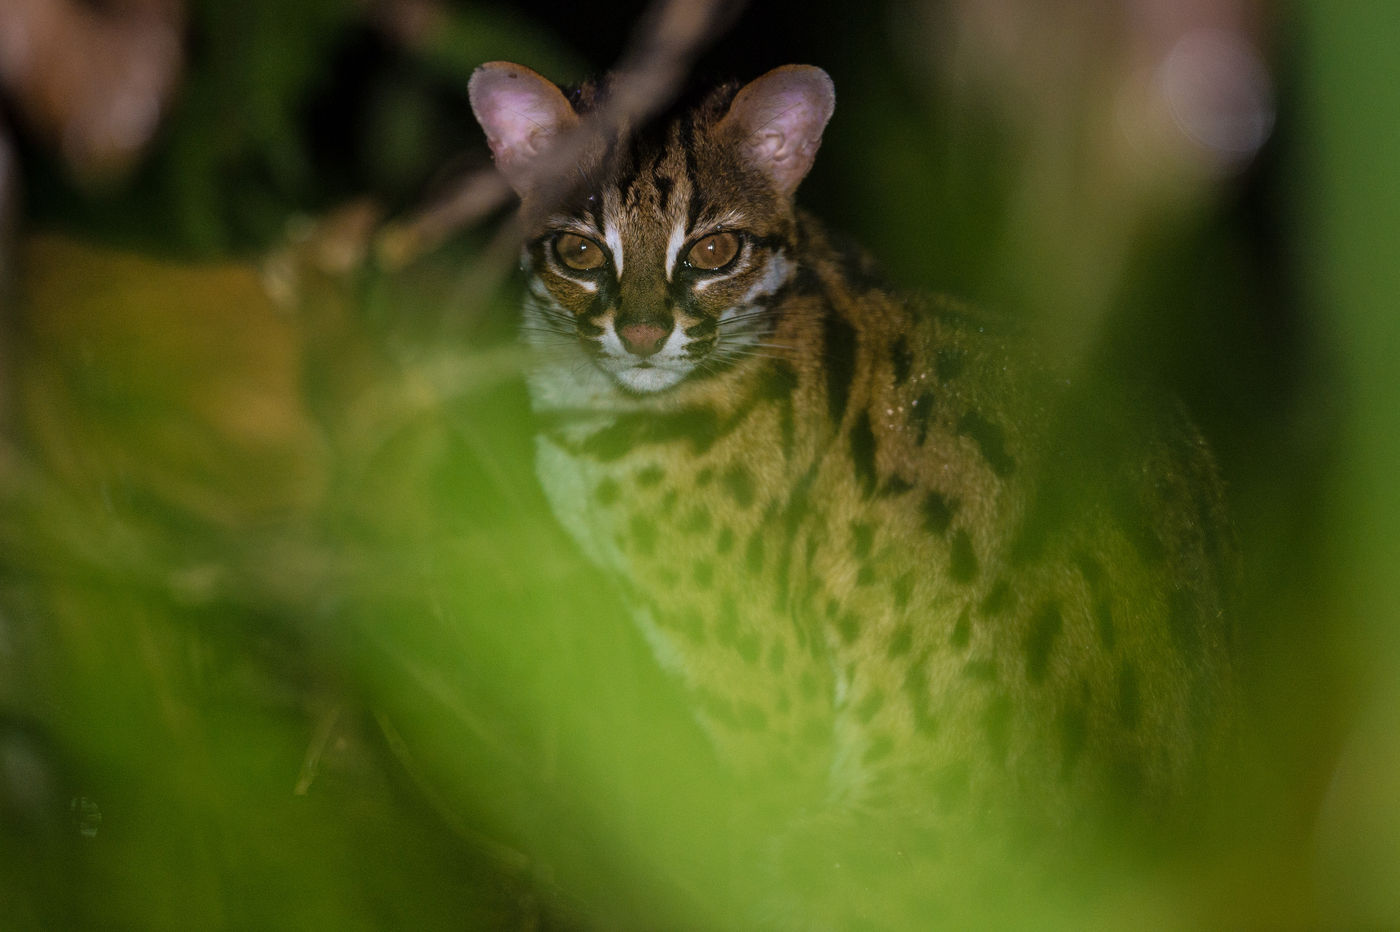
(645, 79)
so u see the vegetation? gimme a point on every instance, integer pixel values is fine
(288, 638)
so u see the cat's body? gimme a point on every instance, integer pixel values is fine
(895, 570)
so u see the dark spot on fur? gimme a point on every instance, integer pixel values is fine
(895, 485)
(787, 431)
(777, 657)
(903, 588)
(868, 706)
(1089, 568)
(962, 630)
(779, 381)
(739, 484)
(937, 514)
(998, 600)
(919, 414)
(650, 476)
(704, 573)
(990, 440)
(848, 626)
(857, 268)
(901, 360)
(862, 441)
(607, 492)
(901, 642)
(806, 282)
(839, 353)
(748, 648)
(725, 542)
(698, 426)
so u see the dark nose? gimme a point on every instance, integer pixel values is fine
(643, 339)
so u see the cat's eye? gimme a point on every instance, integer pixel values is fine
(713, 252)
(578, 252)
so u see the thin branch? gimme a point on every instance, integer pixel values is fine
(645, 79)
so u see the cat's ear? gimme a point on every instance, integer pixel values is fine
(779, 119)
(522, 114)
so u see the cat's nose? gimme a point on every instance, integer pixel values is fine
(643, 339)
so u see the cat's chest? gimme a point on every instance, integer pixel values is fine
(690, 513)
(662, 493)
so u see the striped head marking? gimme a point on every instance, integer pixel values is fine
(661, 253)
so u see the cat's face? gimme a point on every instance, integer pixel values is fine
(660, 258)
(663, 268)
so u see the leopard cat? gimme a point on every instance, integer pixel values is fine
(902, 571)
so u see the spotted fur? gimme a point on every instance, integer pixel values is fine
(892, 561)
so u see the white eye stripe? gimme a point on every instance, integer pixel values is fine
(614, 240)
(773, 277)
(673, 247)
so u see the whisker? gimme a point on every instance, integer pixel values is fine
(748, 315)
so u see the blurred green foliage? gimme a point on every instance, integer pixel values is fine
(282, 605)
(1350, 216)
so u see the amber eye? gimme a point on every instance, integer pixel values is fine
(713, 252)
(578, 252)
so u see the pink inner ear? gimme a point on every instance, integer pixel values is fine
(781, 116)
(793, 123)
(515, 118)
(520, 111)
